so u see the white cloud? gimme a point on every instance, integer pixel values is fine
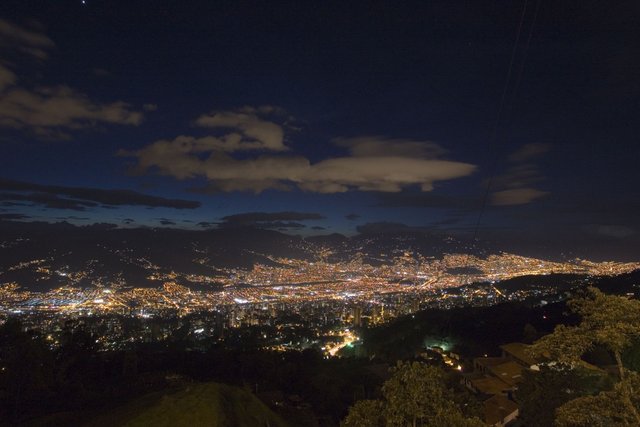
(267, 134)
(7, 77)
(48, 111)
(60, 107)
(27, 41)
(367, 169)
(380, 173)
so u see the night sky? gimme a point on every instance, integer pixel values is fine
(321, 117)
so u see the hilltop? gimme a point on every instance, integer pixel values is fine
(210, 404)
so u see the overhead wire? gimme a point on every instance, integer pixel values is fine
(493, 138)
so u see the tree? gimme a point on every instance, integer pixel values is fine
(529, 333)
(631, 356)
(365, 413)
(608, 408)
(416, 394)
(614, 323)
(26, 380)
(542, 392)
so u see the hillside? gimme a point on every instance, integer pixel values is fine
(210, 404)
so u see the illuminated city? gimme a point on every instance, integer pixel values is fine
(325, 299)
(319, 214)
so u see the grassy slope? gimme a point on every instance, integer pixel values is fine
(210, 404)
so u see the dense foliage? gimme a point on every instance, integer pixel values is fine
(609, 321)
(416, 394)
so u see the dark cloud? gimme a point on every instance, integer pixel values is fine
(166, 221)
(451, 220)
(273, 220)
(47, 200)
(13, 216)
(74, 218)
(253, 217)
(518, 176)
(100, 226)
(353, 216)
(516, 196)
(317, 227)
(616, 231)
(49, 195)
(429, 200)
(389, 227)
(12, 204)
(205, 224)
(128, 221)
(280, 225)
(528, 152)
(100, 72)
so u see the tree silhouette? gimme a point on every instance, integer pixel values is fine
(26, 379)
(365, 413)
(542, 392)
(415, 395)
(614, 323)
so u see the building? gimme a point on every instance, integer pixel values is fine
(495, 379)
(499, 411)
(357, 316)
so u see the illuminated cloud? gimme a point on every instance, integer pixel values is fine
(26, 41)
(374, 164)
(377, 146)
(49, 112)
(46, 110)
(515, 185)
(516, 196)
(529, 152)
(380, 173)
(249, 130)
(7, 77)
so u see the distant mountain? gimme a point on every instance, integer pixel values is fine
(42, 256)
(330, 240)
(39, 255)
